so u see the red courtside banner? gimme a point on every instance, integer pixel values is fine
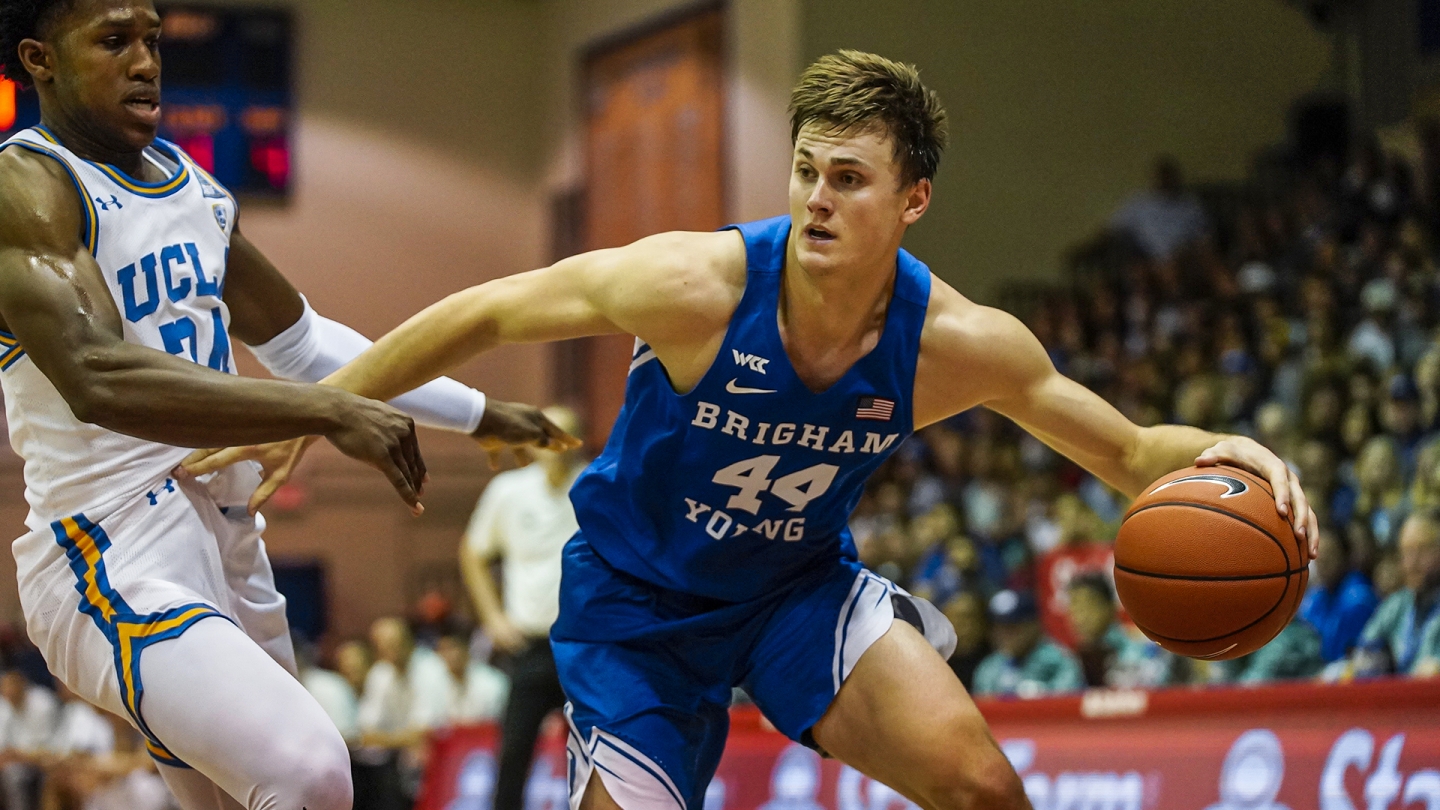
(1363, 746)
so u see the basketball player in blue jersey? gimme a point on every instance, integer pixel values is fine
(778, 364)
(122, 277)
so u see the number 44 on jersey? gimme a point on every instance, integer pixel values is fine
(752, 478)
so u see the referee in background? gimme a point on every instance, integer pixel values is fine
(524, 519)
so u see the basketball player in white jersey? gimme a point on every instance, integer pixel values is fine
(122, 277)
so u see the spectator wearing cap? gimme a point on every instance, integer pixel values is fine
(1108, 655)
(1404, 634)
(1400, 416)
(1025, 663)
(1341, 599)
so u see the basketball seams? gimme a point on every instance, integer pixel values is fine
(1283, 595)
(1248, 522)
(1242, 566)
(1195, 578)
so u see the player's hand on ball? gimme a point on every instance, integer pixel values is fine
(519, 427)
(1290, 500)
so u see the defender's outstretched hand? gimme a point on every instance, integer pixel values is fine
(516, 426)
(1251, 456)
(373, 433)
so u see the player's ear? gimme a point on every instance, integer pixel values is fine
(36, 56)
(917, 201)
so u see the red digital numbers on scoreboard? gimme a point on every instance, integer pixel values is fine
(7, 105)
(271, 158)
(200, 148)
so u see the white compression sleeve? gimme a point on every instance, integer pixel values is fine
(315, 347)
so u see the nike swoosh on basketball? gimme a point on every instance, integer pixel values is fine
(735, 388)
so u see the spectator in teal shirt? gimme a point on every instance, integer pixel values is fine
(1341, 599)
(1293, 654)
(1404, 634)
(1025, 663)
(1110, 657)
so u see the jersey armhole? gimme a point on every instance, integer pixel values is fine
(90, 231)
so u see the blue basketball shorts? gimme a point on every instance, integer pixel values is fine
(649, 672)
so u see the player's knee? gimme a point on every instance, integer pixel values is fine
(982, 782)
(318, 776)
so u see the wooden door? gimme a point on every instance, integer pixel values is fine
(654, 121)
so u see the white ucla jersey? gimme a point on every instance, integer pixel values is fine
(162, 248)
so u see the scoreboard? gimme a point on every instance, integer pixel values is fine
(227, 82)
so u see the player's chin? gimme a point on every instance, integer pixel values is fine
(819, 258)
(133, 131)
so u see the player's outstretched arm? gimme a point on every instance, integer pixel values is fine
(294, 342)
(1007, 370)
(675, 291)
(55, 300)
(658, 289)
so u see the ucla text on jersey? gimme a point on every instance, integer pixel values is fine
(162, 248)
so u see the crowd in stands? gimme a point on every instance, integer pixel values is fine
(1301, 311)
(387, 693)
(1304, 312)
(59, 753)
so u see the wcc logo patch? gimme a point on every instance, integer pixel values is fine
(750, 361)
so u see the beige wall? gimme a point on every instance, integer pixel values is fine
(432, 134)
(430, 139)
(1058, 108)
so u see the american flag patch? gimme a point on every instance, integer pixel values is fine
(875, 409)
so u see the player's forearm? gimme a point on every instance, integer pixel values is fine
(423, 348)
(153, 396)
(314, 347)
(1163, 449)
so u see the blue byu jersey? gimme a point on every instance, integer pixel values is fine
(734, 489)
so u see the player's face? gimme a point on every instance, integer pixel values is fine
(105, 63)
(848, 208)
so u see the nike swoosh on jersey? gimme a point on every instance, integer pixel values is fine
(734, 388)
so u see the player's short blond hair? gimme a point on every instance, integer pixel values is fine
(853, 91)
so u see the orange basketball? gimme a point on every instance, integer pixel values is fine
(1206, 566)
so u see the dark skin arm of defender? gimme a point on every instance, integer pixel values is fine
(54, 299)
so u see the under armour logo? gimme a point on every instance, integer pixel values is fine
(105, 206)
(169, 487)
